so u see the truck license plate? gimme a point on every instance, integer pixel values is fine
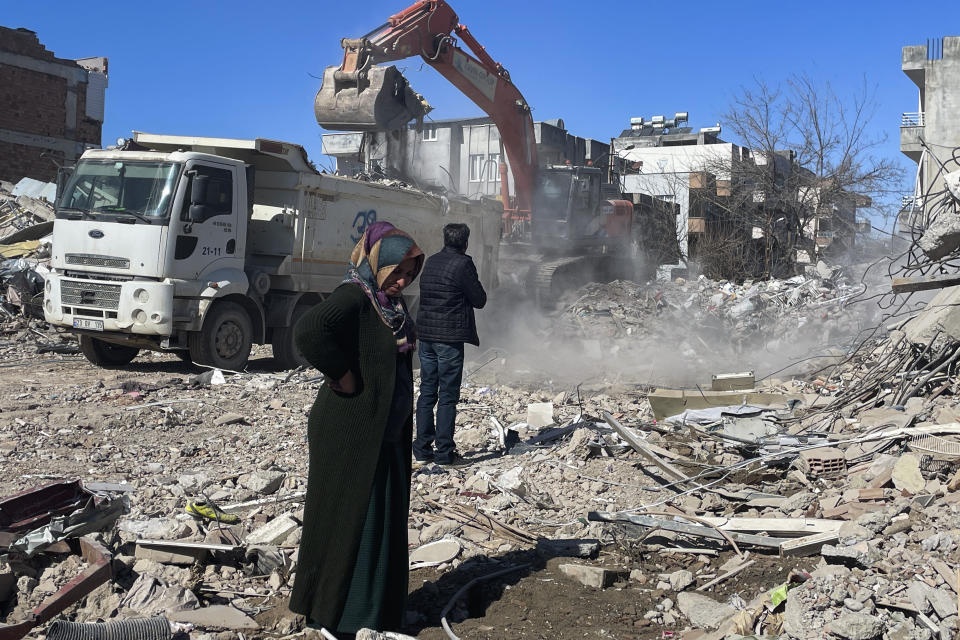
(90, 325)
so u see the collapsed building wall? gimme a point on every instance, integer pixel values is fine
(53, 107)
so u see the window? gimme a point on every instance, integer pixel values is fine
(429, 132)
(476, 167)
(494, 167)
(219, 196)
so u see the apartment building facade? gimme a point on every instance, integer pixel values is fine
(460, 156)
(53, 108)
(929, 135)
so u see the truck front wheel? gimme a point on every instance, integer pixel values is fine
(225, 340)
(106, 354)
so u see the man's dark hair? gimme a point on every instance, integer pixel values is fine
(455, 235)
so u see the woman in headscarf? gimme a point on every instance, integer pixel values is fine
(352, 567)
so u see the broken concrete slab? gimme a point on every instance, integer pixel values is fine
(591, 576)
(262, 482)
(180, 552)
(680, 580)
(944, 603)
(540, 414)
(940, 316)
(942, 237)
(274, 532)
(906, 474)
(860, 555)
(703, 612)
(216, 616)
(856, 626)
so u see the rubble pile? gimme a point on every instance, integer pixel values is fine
(821, 506)
(764, 324)
(26, 228)
(829, 511)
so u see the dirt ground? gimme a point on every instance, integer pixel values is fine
(61, 417)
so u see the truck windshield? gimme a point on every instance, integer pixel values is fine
(140, 190)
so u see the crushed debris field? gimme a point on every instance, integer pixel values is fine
(590, 505)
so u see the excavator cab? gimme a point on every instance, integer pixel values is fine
(566, 208)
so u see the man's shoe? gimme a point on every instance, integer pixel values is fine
(419, 463)
(455, 460)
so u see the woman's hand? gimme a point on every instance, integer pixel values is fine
(347, 384)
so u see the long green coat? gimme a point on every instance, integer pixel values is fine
(345, 434)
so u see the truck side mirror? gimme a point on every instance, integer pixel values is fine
(198, 211)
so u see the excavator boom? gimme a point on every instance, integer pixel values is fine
(359, 95)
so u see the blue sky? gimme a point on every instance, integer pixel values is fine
(246, 69)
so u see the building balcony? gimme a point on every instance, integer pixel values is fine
(911, 119)
(911, 133)
(914, 63)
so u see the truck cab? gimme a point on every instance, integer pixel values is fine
(135, 231)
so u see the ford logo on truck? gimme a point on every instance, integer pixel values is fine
(95, 233)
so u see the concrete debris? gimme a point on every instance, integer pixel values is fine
(216, 617)
(702, 611)
(906, 475)
(847, 475)
(856, 626)
(598, 577)
(274, 532)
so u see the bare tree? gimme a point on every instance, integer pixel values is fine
(812, 161)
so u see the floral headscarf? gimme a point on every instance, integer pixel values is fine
(375, 257)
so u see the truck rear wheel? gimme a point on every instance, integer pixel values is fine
(285, 350)
(226, 338)
(106, 354)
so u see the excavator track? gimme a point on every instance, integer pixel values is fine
(552, 279)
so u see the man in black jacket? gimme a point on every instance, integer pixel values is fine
(449, 292)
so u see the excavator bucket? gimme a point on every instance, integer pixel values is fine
(377, 99)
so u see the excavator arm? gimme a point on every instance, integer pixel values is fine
(359, 95)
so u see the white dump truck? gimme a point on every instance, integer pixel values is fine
(206, 246)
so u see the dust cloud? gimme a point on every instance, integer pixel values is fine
(680, 333)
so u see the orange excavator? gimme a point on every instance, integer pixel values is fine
(557, 226)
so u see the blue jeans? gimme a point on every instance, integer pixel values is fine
(441, 371)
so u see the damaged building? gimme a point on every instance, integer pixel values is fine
(930, 134)
(740, 212)
(458, 155)
(53, 107)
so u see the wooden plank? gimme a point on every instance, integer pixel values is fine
(187, 544)
(924, 283)
(782, 526)
(728, 574)
(685, 528)
(807, 545)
